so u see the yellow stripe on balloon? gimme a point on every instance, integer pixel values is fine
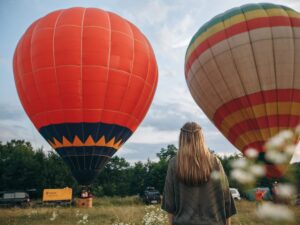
(259, 13)
(255, 136)
(234, 20)
(293, 14)
(262, 110)
(255, 14)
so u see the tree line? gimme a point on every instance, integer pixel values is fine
(22, 167)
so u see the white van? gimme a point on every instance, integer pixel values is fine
(235, 194)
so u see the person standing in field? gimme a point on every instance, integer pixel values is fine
(191, 196)
(259, 195)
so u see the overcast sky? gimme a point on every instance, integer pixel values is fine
(169, 25)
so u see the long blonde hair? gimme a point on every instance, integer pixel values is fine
(194, 161)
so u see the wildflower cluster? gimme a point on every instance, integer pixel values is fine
(275, 212)
(83, 217)
(154, 216)
(246, 171)
(281, 147)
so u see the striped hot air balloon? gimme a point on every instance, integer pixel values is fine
(86, 79)
(243, 69)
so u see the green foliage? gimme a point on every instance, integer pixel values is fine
(167, 153)
(22, 167)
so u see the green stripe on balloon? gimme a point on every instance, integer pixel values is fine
(233, 12)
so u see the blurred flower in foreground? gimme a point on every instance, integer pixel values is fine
(215, 175)
(251, 153)
(285, 191)
(274, 212)
(246, 171)
(239, 163)
(242, 176)
(257, 170)
(281, 147)
(154, 216)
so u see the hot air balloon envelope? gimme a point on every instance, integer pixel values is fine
(243, 69)
(86, 78)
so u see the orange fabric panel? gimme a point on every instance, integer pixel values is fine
(85, 65)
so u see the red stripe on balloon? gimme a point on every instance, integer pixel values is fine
(238, 29)
(258, 145)
(262, 123)
(262, 97)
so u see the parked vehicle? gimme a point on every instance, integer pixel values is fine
(14, 198)
(235, 194)
(151, 196)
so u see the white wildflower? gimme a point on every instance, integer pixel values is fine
(154, 216)
(84, 219)
(277, 157)
(251, 153)
(286, 135)
(290, 149)
(275, 142)
(54, 215)
(215, 175)
(242, 176)
(77, 213)
(275, 212)
(285, 190)
(297, 130)
(257, 170)
(85, 216)
(239, 163)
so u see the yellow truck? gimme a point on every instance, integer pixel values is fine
(60, 196)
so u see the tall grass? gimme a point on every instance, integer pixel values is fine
(115, 210)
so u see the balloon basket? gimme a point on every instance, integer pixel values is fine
(84, 202)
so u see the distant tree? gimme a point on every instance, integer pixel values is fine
(17, 159)
(227, 160)
(167, 153)
(57, 174)
(114, 179)
(138, 175)
(22, 167)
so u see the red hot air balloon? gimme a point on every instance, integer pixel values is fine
(242, 68)
(86, 79)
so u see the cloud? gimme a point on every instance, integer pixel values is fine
(9, 112)
(22, 131)
(134, 152)
(176, 34)
(148, 14)
(150, 134)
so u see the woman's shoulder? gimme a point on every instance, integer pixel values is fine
(172, 160)
(172, 163)
(216, 162)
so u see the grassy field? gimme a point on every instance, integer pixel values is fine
(112, 211)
